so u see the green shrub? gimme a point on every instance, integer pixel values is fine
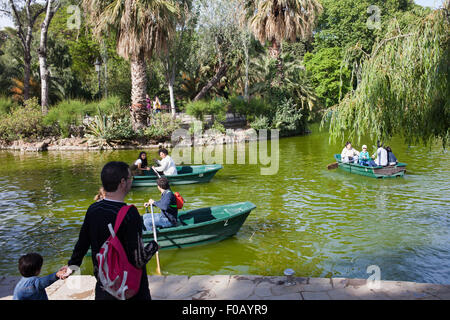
(112, 104)
(218, 126)
(251, 109)
(216, 108)
(71, 112)
(6, 105)
(261, 122)
(23, 122)
(197, 109)
(288, 118)
(162, 125)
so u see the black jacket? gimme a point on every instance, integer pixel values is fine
(94, 232)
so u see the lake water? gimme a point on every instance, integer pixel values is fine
(318, 222)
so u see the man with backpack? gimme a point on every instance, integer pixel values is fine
(169, 205)
(119, 255)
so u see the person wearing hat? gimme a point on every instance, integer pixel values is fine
(364, 156)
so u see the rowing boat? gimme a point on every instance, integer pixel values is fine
(186, 175)
(373, 172)
(202, 226)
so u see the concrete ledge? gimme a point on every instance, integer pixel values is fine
(242, 287)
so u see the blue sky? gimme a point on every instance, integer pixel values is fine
(428, 3)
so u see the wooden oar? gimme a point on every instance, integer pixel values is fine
(158, 269)
(333, 165)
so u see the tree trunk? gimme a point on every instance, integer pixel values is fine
(219, 74)
(275, 53)
(172, 99)
(27, 76)
(42, 51)
(138, 110)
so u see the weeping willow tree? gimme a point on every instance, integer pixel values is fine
(404, 88)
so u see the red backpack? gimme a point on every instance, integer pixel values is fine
(180, 200)
(118, 276)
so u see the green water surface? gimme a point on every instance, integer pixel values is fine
(318, 222)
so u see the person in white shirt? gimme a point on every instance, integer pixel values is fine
(349, 154)
(166, 165)
(382, 156)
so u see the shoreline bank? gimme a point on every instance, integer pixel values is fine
(248, 287)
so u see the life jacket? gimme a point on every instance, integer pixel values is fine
(117, 275)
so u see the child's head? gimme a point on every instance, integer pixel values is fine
(163, 184)
(30, 264)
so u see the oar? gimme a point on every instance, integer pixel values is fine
(333, 165)
(158, 269)
(156, 172)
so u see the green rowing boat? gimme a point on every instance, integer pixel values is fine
(201, 226)
(373, 172)
(186, 175)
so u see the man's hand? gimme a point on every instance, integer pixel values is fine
(64, 272)
(149, 203)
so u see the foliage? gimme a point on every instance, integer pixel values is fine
(288, 119)
(72, 112)
(215, 108)
(261, 122)
(404, 86)
(23, 122)
(110, 129)
(162, 125)
(133, 24)
(6, 105)
(284, 20)
(251, 109)
(218, 127)
(330, 79)
(344, 24)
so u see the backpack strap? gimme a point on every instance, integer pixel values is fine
(120, 216)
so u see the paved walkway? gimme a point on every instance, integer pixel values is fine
(248, 288)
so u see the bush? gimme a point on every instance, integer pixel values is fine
(251, 109)
(261, 122)
(23, 122)
(6, 105)
(65, 114)
(288, 119)
(71, 112)
(215, 108)
(161, 127)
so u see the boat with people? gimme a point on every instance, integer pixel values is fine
(202, 226)
(185, 175)
(390, 171)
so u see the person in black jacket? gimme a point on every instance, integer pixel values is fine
(116, 179)
(168, 205)
(392, 160)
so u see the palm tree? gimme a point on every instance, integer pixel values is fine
(141, 27)
(278, 20)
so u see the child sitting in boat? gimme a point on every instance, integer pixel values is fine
(365, 159)
(168, 204)
(349, 154)
(32, 287)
